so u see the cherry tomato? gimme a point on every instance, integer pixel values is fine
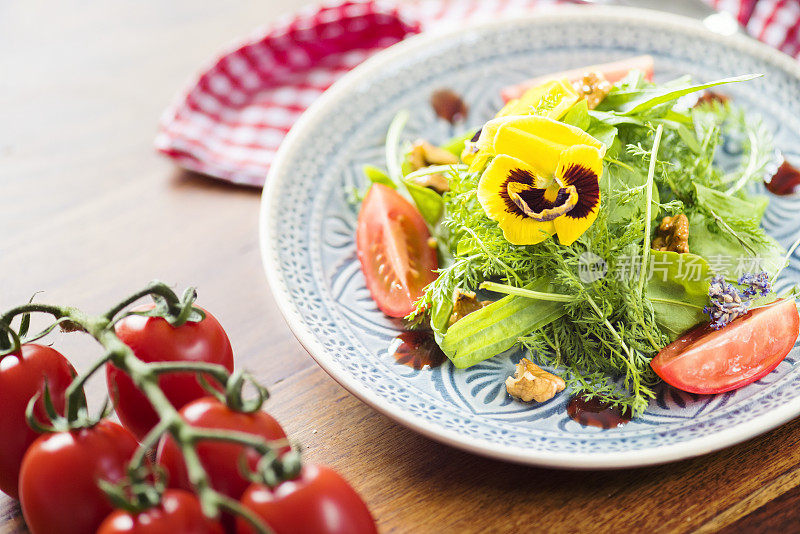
(22, 376)
(153, 339)
(714, 361)
(178, 513)
(58, 481)
(220, 459)
(613, 72)
(396, 257)
(318, 501)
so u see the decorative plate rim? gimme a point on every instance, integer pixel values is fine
(569, 460)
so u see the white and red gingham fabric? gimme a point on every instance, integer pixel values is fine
(229, 123)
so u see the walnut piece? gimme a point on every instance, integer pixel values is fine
(594, 87)
(531, 382)
(673, 234)
(423, 154)
(464, 303)
(438, 182)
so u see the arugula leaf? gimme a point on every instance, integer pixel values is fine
(578, 115)
(625, 89)
(726, 255)
(605, 133)
(429, 202)
(377, 176)
(730, 207)
(608, 117)
(678, 289)
(650, 98)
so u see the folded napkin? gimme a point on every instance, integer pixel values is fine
(230, 121)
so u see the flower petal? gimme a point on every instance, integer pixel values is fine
(525, 231)
(570, 228)
(517, 228)
(550, 99)
(484, 144)
(493, 182)
(580, 155)
(580, 167)
(539, 141)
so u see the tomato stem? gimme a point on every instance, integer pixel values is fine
(219, 372)
(152, 289)
(15, 346)
(234, 396)
(256, 443)
(74, 394)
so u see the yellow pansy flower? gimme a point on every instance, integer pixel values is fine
(551, 99)
(543, 178)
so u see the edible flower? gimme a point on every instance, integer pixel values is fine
(551, 99)
(755, 284)
(726, 302)
(542, 178)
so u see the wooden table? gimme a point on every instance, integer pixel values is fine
(91, 213)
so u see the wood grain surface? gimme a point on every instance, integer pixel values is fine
(90, 213)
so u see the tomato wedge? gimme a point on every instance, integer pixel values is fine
(614, 72)
(704, 360)
(396, 257)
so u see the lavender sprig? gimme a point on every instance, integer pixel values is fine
(755, 284)
(726, 302)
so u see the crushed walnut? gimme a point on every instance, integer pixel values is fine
(673, 234)
(464, 303)
(594, 87)
(531, 382)
(423, 154)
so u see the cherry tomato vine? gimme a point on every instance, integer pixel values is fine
(144, 487)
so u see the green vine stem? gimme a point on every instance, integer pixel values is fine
(146, 377)
(15, 344)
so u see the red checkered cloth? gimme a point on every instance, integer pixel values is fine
(230, 121)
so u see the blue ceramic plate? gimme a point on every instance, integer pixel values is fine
(308, 227)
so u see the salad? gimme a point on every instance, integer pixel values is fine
(592, 222)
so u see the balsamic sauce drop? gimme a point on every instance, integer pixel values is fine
(594, 412)
(448, 105)
(785, 180)
(417, 349)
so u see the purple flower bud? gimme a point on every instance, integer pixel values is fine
(755, 284)
(725, 303)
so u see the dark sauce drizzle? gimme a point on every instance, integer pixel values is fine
(448, 105)
(785, 180)
(417, 349)
(594, 412)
